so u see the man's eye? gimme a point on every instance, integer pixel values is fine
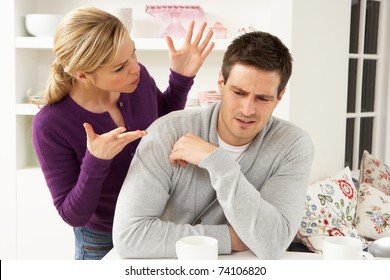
(263, 99)
(239, 93)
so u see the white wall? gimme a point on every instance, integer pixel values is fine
(318, 87)
(7, 117)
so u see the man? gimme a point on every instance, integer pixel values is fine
(231, 170)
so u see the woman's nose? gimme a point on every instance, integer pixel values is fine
(134, 67)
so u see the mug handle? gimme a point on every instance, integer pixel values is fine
(366, 255)
(177, 247)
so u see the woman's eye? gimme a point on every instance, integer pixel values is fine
(120, 68)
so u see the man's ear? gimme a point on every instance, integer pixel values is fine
(221, 82)
(281, 94)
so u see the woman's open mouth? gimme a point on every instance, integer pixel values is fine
(134, 83)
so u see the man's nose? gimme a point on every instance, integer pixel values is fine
(248, 106)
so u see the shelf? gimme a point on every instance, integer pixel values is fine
(31, 171)
(31, 109)
(175, 29)
(25, 109)
(34, 42)
(144, 44)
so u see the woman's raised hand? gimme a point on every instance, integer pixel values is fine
(190, 57)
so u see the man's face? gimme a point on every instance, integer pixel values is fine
(248, 99)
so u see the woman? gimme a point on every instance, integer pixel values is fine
(99, 101)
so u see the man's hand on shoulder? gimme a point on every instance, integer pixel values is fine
(190, 149)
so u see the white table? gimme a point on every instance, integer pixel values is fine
(290, 265)
(247, 255)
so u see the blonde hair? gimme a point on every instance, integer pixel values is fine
(87, 38)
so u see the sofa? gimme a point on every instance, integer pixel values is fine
(349, 203)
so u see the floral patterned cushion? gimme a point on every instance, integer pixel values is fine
(373, 212)
(375, 173)
(329, 210)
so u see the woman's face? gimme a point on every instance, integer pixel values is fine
(123, 74)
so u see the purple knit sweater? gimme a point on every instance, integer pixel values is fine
(85, 189)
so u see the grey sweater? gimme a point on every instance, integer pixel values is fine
(262, 196)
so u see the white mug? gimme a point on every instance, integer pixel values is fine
(197, 247)
(380, 247)
(344, 248)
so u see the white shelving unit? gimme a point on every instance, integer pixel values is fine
(143, 45)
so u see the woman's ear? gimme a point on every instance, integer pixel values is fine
(79, 75)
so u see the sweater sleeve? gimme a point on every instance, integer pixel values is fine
(175, 96)
(74, 187)
(139, 230)
(266, 220)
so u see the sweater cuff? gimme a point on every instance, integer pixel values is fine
(180, 80)
(218, 162)
(94, 164)
(221, 233)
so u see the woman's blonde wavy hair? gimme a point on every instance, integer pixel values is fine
(87, 38)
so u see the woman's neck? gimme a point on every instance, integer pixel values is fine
(94, 99)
